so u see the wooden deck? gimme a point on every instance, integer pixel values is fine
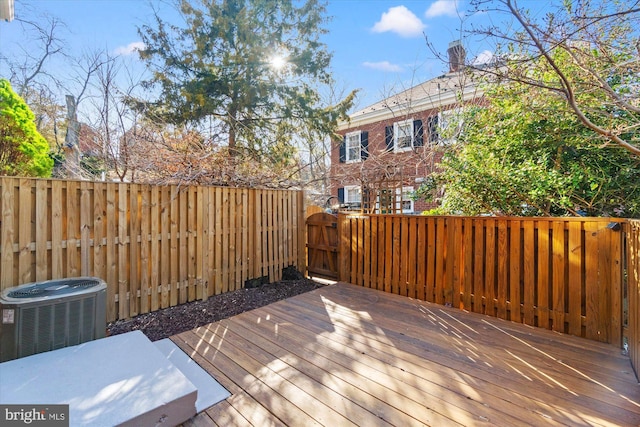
(345, 355)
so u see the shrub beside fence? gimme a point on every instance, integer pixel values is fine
(563, 274)
(155, 246)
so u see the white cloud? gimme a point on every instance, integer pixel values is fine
(399, 20)
(129, 49)
(483, 57)
(442, 8)
(383, 66)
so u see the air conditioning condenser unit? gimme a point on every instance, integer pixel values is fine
(48, 315)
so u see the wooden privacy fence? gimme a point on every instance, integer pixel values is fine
(563, 274)
(155, 246)
(633, 286)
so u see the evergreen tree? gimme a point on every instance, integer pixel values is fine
(251, 70)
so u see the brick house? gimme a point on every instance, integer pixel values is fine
(390, 147)
(89, 141)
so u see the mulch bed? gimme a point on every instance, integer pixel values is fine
(174, 320)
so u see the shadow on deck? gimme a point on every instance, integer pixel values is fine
(345, 355)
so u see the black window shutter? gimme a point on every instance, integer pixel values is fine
(364, 145)
(366, 201)
(343, 150)
(418, 133)
(341, 195)
(433, 129)
(388, 137)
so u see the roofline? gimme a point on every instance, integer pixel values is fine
(427, 103)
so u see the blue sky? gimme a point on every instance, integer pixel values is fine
(378, 45)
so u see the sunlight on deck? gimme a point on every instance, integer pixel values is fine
(344, 355)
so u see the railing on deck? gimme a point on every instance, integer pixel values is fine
(563, 274)
(155, 246)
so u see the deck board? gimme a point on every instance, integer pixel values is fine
(345, 355)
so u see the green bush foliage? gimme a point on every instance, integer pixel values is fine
(524, 153)
(23, 151)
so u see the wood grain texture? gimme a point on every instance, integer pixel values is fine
(349, 355)
(155, 246)
(563, 274)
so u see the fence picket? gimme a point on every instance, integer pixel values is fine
(528, 294)
(559, 282)
(72, 230)
(183, 254)
(449, 264)
(86, 229)
(490, 267)
(421, 260)
(192, 239)
(592, 282)
(26, 212)
(42, 230)
(515, 272)
(478, 263)
(164, 255)
(133, 231)
(543, 274)
(575, 278)
(467, 271)
(123, 261)
(7, 230)
(388, 252)
(99, 227)
(219, 254)
(145, 217)
(202, 243)
(502, 256)
(439, 261)
(111, 252)
(374, 254)
(154, 255)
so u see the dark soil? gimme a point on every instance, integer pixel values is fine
(173, 320)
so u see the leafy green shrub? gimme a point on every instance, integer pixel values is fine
(23, 151)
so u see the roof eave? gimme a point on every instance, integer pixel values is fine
(408, 108)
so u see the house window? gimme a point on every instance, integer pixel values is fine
(352, 194)
(449, 126)
(433, 128)
(403, 135)
(353, 147)
(404, 203)
(350, 197)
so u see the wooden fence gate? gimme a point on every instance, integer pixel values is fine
(322, 245)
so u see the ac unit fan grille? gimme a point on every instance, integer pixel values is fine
(53, 288)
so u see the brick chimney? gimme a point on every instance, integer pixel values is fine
(457, 56)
